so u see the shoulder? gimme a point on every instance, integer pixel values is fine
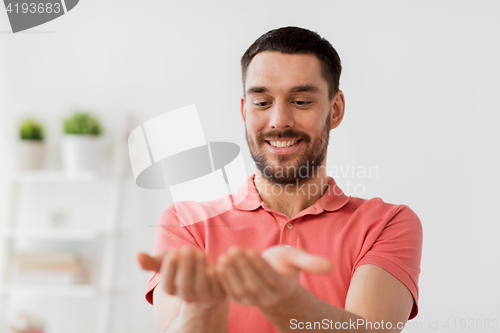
(377, 212)
(190, 212)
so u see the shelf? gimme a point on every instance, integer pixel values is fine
(54, 234)
(56, 176)
(47, 214)
(77, 290)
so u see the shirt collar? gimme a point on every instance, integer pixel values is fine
(333, 199)
(247, 198)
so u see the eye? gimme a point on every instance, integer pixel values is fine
(261, 104)
(302, 103)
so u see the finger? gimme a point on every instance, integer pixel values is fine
(233, 281)
(267, 273)
(200, 278)
(214, 285)
(148, 262)
(251, 275)
(185, 273)
(255, 281)
(219, 276)
(168, 271)
(298, 258)
(309, 262)
(249, 280)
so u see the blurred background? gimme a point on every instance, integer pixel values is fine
(421, 86)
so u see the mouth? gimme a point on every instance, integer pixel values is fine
(283, 146)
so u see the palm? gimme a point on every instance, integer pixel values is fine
(288, 262)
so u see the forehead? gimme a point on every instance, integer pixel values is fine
(277, 70)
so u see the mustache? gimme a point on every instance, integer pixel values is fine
(286, 134)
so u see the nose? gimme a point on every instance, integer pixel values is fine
(281, 116)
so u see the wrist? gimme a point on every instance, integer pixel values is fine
(286, 303)
(201, 317)
(206, 306)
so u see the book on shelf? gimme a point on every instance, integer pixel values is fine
(46, 268)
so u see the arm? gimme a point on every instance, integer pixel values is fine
(187, 298)
(165, 307)
(375, 299)
(172, 314)
(377, 295)
(270, 281)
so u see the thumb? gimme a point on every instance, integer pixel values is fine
(308, 262)
(148, 262)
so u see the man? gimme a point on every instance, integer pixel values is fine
(295, 253)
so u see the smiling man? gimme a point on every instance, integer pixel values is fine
(294, 253)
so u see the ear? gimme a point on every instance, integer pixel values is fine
(243, 108)
(337, 106)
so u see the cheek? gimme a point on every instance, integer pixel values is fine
(255, 125)
(311, 125)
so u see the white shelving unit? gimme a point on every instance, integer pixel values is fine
(96, 242)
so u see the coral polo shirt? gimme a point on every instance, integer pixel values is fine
(350, 231)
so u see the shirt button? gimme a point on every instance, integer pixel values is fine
(289, 225)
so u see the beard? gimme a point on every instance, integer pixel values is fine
(287, 172)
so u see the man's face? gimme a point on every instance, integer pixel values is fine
(287, 115)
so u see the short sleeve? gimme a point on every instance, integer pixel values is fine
(398, 250)
(169, 234)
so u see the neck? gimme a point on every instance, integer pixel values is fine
(290, 199)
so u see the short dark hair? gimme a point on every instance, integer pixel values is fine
(295, 40)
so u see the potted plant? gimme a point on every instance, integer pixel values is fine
(81, 144)
(31, 148)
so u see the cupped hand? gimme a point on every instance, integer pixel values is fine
(185, 273)
(265, 279)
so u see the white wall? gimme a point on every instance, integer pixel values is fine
(421, 85)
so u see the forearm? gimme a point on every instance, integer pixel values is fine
(305, 312)
(199, 318)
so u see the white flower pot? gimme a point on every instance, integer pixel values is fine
(29, 155)
(81, 153)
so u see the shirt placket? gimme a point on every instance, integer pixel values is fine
(288, 227)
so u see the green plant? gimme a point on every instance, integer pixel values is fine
(30, 129)
(82, 123)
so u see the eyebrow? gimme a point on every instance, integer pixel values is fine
(300, 88)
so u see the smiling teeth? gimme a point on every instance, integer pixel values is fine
(283, 144)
